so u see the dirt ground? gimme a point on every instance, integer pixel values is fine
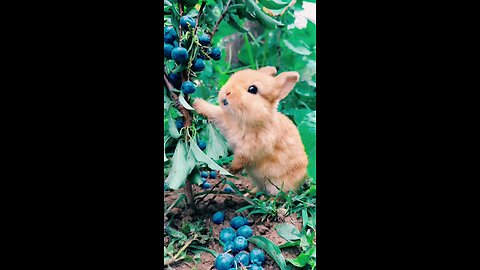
(228, 203)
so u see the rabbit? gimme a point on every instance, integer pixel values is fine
(265, 142)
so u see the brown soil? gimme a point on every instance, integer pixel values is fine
(228, 203)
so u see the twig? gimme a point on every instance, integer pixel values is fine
(215, 28)
(204, 3)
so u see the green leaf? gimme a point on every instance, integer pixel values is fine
(301, 260)
(290, 244)
(216, 144)
(172, 128)
(304, 219)
(165, 140)
(200, 156)
(175, 234)
(194, 177)
(308, 130)
(191, 161)
(297, 49)
(184, 103)
(234, 21)
(178, 172)
(274, 4)
(270, 248)
(287, 231)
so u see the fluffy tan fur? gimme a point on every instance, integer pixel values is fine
(265, 142)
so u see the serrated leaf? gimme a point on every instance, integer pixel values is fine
(287, 231)
(308, 130)
(178, 173)
(270, 248)
(202, 157)
(297, 49)
(184, 103)
(216, 144)
(172, 127)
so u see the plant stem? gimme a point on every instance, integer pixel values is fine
(215, 28)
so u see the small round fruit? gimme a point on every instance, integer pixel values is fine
(198, 65)
(228, 189)
(229, 245)
(185, 21)
(188, 87)
(216, 54)
(169, 34)
(218, 217)
(204, 180)
(175, 79)
(224, 261)
(206, 185)
(175, 43)
(202, 144)
(257, 256)
(227, 234)
(180, 55)
(204, 174)
(238, 222)
(243, 258)
(245, 231)
(204, 39)
(213, 174)
(179, 123)
(167, 50)
(241, 243)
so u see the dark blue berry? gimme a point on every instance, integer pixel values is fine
(213, 174)
(216, 54)
(198, 65)
(180, 55)
(204, 39)
(169, 34)
(185, 21)
(188, 87)
(179, 123)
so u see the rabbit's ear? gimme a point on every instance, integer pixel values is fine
(271, 71)
(285, 82)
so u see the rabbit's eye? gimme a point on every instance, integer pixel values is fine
(252, 89)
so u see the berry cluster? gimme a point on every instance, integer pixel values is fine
(235, 241)
(192, 59)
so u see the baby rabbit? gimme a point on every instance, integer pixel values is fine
(265, 142)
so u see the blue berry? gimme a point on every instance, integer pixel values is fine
(245, 231)
(180, 55)
(240, 243)
(202, 145)
(257, 256)
(179, 123)
(169, 34)
(167, 50)
(188, 87)
(227, 234)
(206, 185)
(185, 21)
(229, 245)
(175, 80)
(238, 222)
(198, 65)
(218, 217)
(224, 261)
(228, 189)
(213, 174)
(204, 174)
(243, 258)
(204, 39)
(215, 54)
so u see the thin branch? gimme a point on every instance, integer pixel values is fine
(215, 28)
(204, 3)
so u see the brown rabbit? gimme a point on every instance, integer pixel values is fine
(265, 142)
